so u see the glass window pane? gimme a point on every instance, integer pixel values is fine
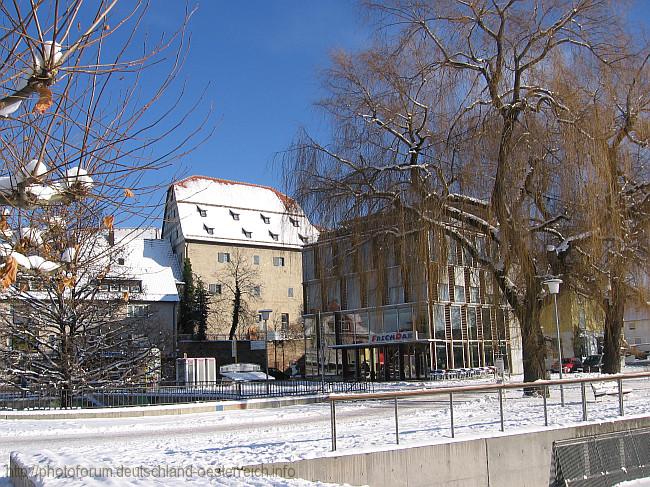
(443, 292)
(455, 322)
(439, 321)
(486, 324)
(459, 356)
(459, 294)
(471, 323)
(405, 319)
(353, 293)
(313, 297)
(390, 320)
(441, 356)
(375, 322)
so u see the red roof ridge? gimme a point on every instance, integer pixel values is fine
(289, 202)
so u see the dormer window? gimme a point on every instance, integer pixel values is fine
(209, 230)
(201, 211)
(294, 222)
(246, 234)
(302, 238)
(265, 218)
(235, 216)
(274, 236)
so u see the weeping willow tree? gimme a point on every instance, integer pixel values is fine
(453, 116)
(604, 248)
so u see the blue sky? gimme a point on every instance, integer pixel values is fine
(262, 60)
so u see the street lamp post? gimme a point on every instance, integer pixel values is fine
(553, 286)
(264, 313)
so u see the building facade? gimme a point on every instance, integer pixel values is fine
(397, 305)
(133, 299)
(245, 234)
(581, 323)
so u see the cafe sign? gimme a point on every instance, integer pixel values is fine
(397, 336)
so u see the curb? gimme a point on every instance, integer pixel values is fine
(168, 410)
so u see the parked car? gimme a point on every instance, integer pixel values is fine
(593, 363)
(569, 365)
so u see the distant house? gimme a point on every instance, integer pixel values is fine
(637, 324)
(137, 276)
(217, 223)
(150, 265)
(581, 325)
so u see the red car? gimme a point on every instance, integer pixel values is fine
(569, 365)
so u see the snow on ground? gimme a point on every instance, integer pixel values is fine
(220, 440)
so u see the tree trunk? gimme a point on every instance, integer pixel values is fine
(532, 343)
(614, 310)
(235, 312)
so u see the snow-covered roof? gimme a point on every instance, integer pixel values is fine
(218, 210)
(152, 262)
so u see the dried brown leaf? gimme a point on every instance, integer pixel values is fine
(44, 100)
(108, 222)
(8, 272)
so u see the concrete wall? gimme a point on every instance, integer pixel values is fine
(522, 460)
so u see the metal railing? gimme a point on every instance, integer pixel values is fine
(539, 388)
(38, 398)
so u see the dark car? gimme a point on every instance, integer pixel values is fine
(277, 374)
(569, 365)
(593, 363)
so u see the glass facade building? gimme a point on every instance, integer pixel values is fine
(389, 307)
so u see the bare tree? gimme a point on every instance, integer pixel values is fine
(79, 133)
(240, 290)
(453, 117)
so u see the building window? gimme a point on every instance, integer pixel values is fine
(294, 222)
(456, 322)
(302, 238)
(290, 292)
(135, 288)
(235, 216)
(256, 259)
(246, 233)
(474, 286)
(265, 218)
(214, 288)
(103, 287)
(274, 236)
(285, 321)
(201, 211)
(120, 261)
(257, 291)
(278, 261)
(137, 310)
(115, 287)
(209, 230)
(223, 257)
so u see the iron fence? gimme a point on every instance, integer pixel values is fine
(539, 389)
(13, 398)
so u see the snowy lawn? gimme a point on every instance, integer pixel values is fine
(222, 440)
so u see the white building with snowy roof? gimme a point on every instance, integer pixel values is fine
(132, 283)
(222, 226)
